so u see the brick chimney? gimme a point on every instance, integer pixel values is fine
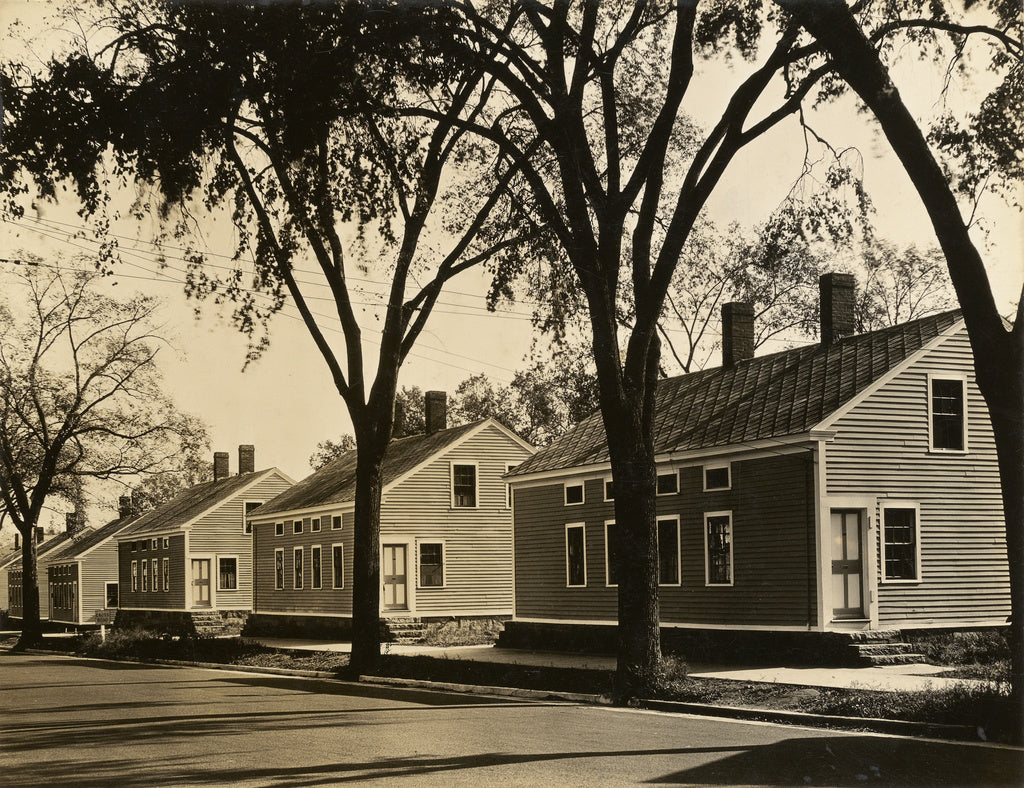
(737, 333)
(17, 540)
(399, 425)
(435, 411)
(838, 292)
(220, 465)
(124, 507)
(39, 534)
(246, 459)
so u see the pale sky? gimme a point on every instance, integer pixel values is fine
(285, 403)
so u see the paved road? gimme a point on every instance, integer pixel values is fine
(68, 722)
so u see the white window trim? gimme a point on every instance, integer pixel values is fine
(165, 574)
(444, 562)
(315, 524)
(301, 575)
(607, 564)
(246, 520)
(713, 466)
(583, 492)
(679, 550)
(134, 576)
(154, 544)
(311, 575)
(707, 555)
(583, 528)
(337, 517)
(106, 594)
(144, 575)
(893, 504)
(962, 378)
(298, 530)
(279, 531)
(333, 573)
(476, 483)
(605, 481)
(167, 543)
(281, 551)
(660, 475)
(238, 581)
(508, 487)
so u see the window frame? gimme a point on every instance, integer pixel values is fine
(419, 562)
(279, 529)
(715, 466)
(134, 576)
(246, 518)
(476, 483)
(707, 553)
(106, 595)
(297, 526)
(582, 527)
(607, 483)
(228, 557)
(315, 525)
(671, 518)
(144, 575)
(674, 475)
(916, 508)
(298, 569)
(574, 484)
(316, 567)
(278, 578)
(336, 518)
(509, 466)
(948, 377)
(154, 543)
(154, 567)
(607, 556)
(165, 573)
(334, 565)
(167, 543)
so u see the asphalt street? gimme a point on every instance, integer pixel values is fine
(71, 722)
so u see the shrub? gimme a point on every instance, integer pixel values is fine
(964, 648)
(472, 632)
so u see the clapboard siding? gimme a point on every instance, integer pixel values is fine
(324, 601)
(63, 587)
(174, 597)
(773, 549)
(881, 452)
(98, 568)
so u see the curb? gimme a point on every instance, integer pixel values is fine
(897, 727)
(483, 689)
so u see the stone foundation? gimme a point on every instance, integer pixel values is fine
(283, 625)
(183, 623)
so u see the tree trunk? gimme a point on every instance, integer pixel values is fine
(366, 552)
(31, 626)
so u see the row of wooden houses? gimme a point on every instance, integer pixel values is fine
(846, 485)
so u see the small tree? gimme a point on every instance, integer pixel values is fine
(80, 400)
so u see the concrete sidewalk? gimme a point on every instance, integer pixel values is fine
(887, 678)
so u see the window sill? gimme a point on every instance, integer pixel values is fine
(954, 452)
(915, 581)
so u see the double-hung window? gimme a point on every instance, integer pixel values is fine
(948, 414)
(464, 485)
(431, 560)
(668, 551)
(315, 566)
(110, 595)
(338, 565)
(135, 575)
(718, 548)
(611, 571)
(166, 567)
(717, 477)
(297, 558)
(155, 566)
(279, 568)
(144, 570)
(901, 557)
(227, 573)
(575, 555)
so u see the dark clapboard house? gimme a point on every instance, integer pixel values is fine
(46, 549)
(186, 566)
(846, 487)
(445, 534)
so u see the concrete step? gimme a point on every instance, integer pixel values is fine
(873, 635)
(867, 649)
(892, 659)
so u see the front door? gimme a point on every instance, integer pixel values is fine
(200, 582)
(847, 588)
(393, 573)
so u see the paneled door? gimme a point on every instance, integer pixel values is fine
(394, 575)
(847, 566)
(200, 582)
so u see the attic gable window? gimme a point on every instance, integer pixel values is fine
(464, 492)
(947, 413)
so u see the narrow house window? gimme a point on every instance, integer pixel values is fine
(315, 524)
(110, 594)
(297, 526)
(575, 555)
(463, 486)
(156, 574)
(227, 575)
(135, 575)
(338, 564)
(609, 489)
(314, 564)
(155, 544)
(145, 574)
(509, 466)
(278, 529)
(336, 522)
(948, 423)
(574, 494)
(900, 543)
(279, 568)
(611, 572)
(718, 548)
(250, 506)
(297, 580)
(668, 551)
(668, 483)
(717, 477)
(431, 565)
(167, 542)
(167, 574)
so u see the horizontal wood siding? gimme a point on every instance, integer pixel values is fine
(63, 590)
(325, 601)
(5, 596)
(98, 567)
(477, 541)
(881, 451)
(773, 549)
(174, 597)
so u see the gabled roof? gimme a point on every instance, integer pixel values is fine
(335, 483)
(46, 548)
(180, 511)
(785, 393)
(9, 558)
(85, 542)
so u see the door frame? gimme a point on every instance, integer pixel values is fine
(409, 543)
(189, 599)
(867, 508)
